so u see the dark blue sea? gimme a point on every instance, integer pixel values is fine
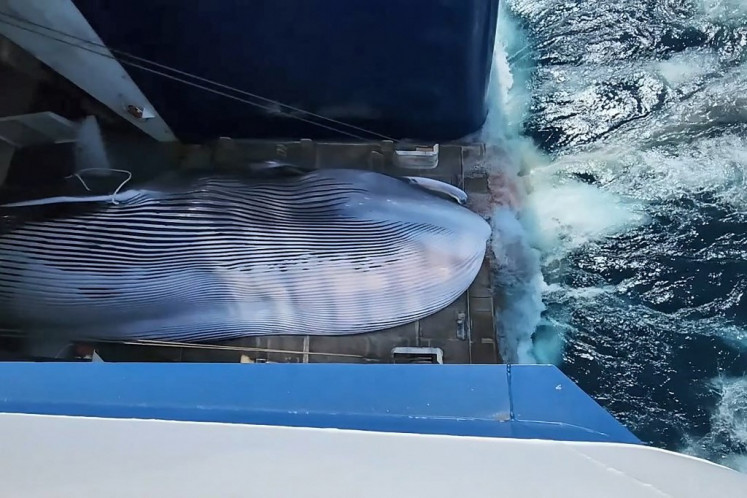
(628, 123)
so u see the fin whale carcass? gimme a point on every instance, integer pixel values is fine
(212, 257)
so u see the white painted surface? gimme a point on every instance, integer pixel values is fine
(101, 76)
(87, 457)
(37, 128)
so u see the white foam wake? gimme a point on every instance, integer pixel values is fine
(516, 264)
(639, 135)
(728, 425)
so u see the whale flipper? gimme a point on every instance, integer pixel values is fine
(439, 188)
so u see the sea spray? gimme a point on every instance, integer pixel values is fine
(518, 283)
(728, 425)
(516, 265)
(639, 207)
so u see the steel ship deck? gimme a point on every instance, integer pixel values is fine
(39, 112)
(37, 140)
(462, 333)
(33, 114)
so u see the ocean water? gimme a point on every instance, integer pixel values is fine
(627, 123)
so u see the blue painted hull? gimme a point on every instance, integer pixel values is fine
(532, 401)
(416, 69)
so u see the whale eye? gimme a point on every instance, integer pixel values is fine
(439, 188)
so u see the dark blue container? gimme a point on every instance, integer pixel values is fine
(403, 68)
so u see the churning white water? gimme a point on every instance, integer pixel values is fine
(624, 126)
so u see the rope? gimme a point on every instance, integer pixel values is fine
(189, 75)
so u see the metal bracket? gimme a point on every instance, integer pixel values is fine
(462, 326)
(417, 355)
(417, 157)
